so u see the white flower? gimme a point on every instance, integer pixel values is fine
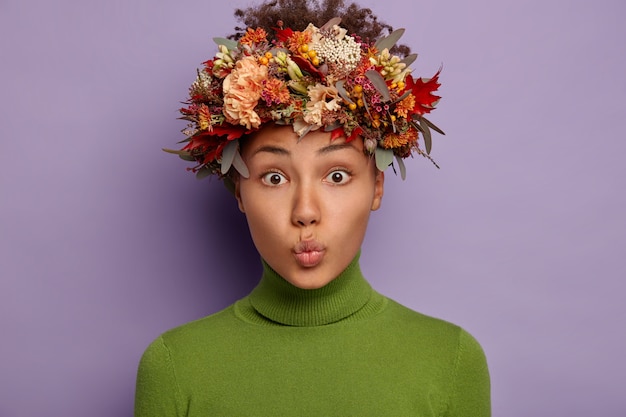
(322, 98)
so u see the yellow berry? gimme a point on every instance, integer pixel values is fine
(358, 88)
(315, 61)
(359, 103)
(263, 60)
(393, 118)
(268, 55)
(352, 106)
(401, 85)
(312, 53)
(304, 48)
(376, 123)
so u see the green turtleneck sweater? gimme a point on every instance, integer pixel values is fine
(341, 350)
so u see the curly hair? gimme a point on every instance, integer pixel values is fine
(297, 14)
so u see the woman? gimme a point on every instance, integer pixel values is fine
(304, 143)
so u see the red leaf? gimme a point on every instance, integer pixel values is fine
(423, 91)
(336, 133)
(231, 132)
(355, 133)
(283, 35)
(306, 66)
(211, 143)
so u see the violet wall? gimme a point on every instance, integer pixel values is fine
(106, 241)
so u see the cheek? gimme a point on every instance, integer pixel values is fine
(350, 216)
(265, 216)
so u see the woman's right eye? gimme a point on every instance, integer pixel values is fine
(274, 178)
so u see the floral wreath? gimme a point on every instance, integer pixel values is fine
(310, 79)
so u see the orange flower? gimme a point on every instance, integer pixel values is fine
(405, 106)
(204, 117)
(397, 140)
(275, 91)
(252, 36)
(242, 90)
(297, 40)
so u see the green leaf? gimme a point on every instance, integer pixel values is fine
(330, 128)
(203, 173)
(275, 51)
(384, 158)
(379, 83)
(428, 142)
(389, 41)
(401, 167)
(402, 97)
(176, 152)
(228, 43)
(432, 126)
(240, 166)
(228, 154)
(367, 109)
(342, 91)
(408, 60)
(187, 158)
(229, 184)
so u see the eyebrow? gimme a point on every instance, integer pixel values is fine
(277, 150)
(335, 147)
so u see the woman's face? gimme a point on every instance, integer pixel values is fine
(307, 202)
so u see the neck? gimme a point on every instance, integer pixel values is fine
(283, 303)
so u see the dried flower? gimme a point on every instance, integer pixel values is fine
(242, 90)
(310, 79)
(323, 98)
(253, 36)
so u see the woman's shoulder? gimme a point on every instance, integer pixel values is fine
(212, 326)
(428, 330)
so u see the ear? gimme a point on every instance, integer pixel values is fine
(379, 188)
(237, 181)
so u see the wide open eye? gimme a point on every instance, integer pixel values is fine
(338, 177)
(274, 178)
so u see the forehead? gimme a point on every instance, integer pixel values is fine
(282, 139)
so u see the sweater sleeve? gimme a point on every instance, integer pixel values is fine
(471, 392)
(157, 393)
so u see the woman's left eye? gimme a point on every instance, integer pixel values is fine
(338, 177)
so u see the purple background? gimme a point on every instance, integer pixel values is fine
(105, 241)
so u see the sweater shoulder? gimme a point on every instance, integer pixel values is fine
(437, 331)
(448, 345)
(194, 331)
(411, 317)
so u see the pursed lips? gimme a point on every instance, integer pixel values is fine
(309, 253)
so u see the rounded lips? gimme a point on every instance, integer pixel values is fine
(309, 253)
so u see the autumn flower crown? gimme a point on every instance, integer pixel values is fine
(310, 79)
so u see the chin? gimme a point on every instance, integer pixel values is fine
(309, 279)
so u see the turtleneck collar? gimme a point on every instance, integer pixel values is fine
(281, 302)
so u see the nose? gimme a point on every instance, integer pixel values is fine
(306, 209)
